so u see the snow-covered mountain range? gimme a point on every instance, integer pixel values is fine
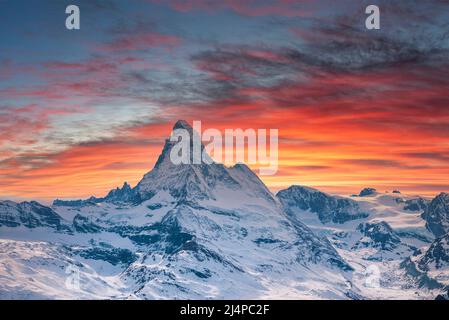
(193, 231)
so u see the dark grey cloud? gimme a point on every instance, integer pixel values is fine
(334, 48)
(443, 156)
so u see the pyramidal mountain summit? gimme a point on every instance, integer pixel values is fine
(207, 231)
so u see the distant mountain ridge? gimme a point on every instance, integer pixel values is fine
(328, 208)
(28, 214)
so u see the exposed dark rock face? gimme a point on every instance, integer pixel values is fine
(85, 225)
(437, 215)
(443, 296)
(380, 234)
(437, 256)
(418, 204)
(434, 259)
(368, 192)
(114, 256)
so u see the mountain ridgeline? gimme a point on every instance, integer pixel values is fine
(328, 208)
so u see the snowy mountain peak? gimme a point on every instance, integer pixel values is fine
(195, 182)
(182, 124)
(194, 149)
(437, 215)
(442, 198)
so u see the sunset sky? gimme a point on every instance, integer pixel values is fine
(83, 111)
